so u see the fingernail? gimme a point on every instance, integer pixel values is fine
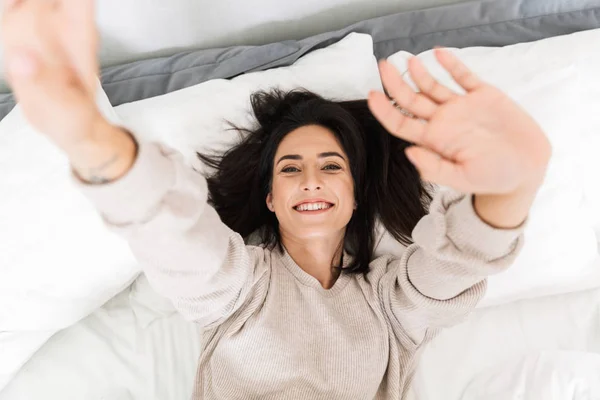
(22, 65)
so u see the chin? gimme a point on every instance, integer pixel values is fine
(316, 232)
(304, 229)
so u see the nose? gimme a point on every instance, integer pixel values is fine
(309, 188)
(311, 181)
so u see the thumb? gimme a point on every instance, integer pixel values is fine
(434, 168)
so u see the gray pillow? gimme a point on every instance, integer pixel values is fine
(477, 23)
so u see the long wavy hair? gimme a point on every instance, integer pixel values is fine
(387, 187)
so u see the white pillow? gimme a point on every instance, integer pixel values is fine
(59, 262)
(589, 150)
(546, 78)
(194, 119)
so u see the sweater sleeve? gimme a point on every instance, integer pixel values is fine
(188, 254)
(442, 276)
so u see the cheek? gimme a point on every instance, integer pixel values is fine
(280, 191)
(344, 190)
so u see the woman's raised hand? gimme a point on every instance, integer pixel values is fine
(481, 142)
(50, 59)
(51, 64)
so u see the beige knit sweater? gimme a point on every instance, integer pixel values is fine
(271, 330)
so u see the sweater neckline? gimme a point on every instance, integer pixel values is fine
(308, 280)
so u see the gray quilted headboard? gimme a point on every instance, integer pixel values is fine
(476, 23)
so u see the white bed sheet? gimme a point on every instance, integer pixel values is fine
(137, 347)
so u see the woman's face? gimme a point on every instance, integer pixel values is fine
(312, 193)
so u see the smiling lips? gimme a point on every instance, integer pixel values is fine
(313, 206)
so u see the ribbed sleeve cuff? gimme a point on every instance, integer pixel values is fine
(130, 198)
(469, 232)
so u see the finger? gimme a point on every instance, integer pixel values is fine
(403, 94)
(459, 71)
(427, 83)
(393, 120)
(436, 169)
(80, 22)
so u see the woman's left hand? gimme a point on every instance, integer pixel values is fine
(481, 142)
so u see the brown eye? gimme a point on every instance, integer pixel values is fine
(290, 169)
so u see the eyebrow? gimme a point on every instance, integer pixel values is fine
(320, 155)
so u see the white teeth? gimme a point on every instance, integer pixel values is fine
(312, 206)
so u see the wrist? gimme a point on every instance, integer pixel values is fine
(507, 210)
(107, 155)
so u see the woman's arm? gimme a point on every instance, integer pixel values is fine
(480, 142)
(442, 276)
(189, 255)
(159, 205)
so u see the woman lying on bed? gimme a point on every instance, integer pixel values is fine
(307, 312)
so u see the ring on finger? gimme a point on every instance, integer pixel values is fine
(407, 113)
(402, 110)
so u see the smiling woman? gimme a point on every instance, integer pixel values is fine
(315, 176)
(306, 312)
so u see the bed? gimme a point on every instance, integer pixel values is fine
(523, 343)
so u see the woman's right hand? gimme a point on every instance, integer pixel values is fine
(51, 64)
